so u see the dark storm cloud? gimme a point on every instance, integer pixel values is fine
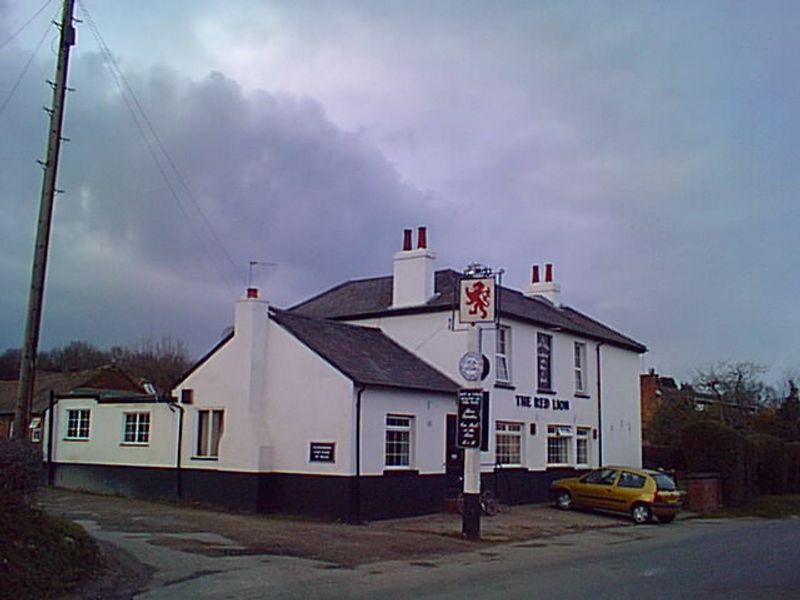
(274, 178)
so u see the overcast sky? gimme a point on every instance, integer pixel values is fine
(648, 149)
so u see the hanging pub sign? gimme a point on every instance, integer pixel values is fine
(476, 302)
(468, 424)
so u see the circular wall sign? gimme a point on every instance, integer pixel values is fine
(471, 366)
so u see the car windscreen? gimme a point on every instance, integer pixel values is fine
(664, 482)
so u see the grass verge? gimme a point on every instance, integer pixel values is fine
(43, 556)
(765, 507)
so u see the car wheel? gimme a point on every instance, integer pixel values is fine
(641, 513)
(563, 500)
(666, 519)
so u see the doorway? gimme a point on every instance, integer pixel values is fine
(454, 460)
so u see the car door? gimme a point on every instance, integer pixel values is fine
(629, 489)
(596, 488)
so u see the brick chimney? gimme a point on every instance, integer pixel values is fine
(413, 282)
(547, 289)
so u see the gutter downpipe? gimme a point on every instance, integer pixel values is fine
(172, 404)
(357, 484)
(599, 408)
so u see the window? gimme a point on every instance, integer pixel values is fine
(502, 355)
(36, 429)
(399, 430)
(137, 428)
(78, 424)
(544, 352)
(508, 443)
(209, 432)
(559, 438)
(582, 446)
(631, 480)
(580, 368)
(600, 477)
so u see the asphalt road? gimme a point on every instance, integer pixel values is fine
(695, 559)
(161, 551)
(706, 559)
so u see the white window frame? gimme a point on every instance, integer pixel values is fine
(562, 435)
(79, 428)
(502, 354)
(579, 364)
(582, 446)
(206, 445)
(507, 442)
(140, 430)
(398, 447)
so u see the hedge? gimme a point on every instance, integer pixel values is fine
(709, 446)
(770, 464)
(20, 472)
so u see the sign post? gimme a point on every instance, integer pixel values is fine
(477, 304)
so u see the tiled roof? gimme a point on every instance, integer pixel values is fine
(365, 354)
(363, 298)
(108, 380)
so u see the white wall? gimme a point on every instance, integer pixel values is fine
(430, 337)
(308, 400)
(105, 444)
(622, 423)
(429, 411)
(301, 399)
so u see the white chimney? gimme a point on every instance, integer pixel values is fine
(413, 282)
(250, 327)
(547, 289)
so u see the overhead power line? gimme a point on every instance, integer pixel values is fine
(11, 38)
(24, 69)
(156, 147)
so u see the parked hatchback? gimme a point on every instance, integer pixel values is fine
(641, 493)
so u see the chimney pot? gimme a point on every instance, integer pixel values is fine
(535, 274)
(252, 292)
(548, 272)
(422, 237)
(406, 240)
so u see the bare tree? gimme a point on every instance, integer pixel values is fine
(160, 362)
(75, 356)
(9, 363)
(734, 384)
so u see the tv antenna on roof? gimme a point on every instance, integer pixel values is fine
(257, 263)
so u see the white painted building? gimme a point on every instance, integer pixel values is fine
(344, 405)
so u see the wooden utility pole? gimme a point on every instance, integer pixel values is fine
(30, 343)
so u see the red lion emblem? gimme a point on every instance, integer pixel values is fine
(478, 299)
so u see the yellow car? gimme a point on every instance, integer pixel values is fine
(641, 493)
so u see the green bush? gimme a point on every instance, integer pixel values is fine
(709, 446)
(20, 472)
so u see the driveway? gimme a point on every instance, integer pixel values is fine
(154, 547)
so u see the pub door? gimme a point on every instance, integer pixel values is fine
(454, 460)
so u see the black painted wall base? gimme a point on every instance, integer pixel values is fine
(392, 495)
